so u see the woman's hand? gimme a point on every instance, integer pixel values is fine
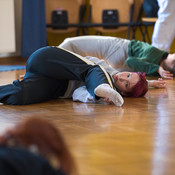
(160, 83)
(164, 73)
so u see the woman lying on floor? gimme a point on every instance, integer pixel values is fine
(124, 55)
(52, 72)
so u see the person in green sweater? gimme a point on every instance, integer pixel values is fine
(124, 55)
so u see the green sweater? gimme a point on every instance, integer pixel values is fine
(143, 57)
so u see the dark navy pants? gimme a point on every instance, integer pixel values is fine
(18, 161)
(48, 71)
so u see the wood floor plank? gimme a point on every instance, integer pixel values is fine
(135, 139)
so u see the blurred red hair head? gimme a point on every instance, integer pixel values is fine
(46, 137)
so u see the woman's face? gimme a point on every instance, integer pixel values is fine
(125, 81)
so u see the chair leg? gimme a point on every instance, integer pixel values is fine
(133, 32)
(128, 32)
(78, 32)
(98, 33)
(142, 32)
(147, 33)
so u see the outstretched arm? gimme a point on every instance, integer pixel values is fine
(160, 83)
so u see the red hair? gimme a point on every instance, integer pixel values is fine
(47, 138)
(140, 89)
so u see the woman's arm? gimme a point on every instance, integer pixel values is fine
(140, 65)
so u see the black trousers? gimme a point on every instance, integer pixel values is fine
(18, 161)
(48, 71)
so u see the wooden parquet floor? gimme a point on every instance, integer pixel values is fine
(135, 139)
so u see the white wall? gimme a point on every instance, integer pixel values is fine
(10, 27)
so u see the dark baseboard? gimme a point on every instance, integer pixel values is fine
(13, 60)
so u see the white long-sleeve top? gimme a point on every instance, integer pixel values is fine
(111, 49)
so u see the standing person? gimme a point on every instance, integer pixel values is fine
(25, 149)
(124, 55)
(164, 29)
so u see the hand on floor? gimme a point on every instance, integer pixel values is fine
(160, 83)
